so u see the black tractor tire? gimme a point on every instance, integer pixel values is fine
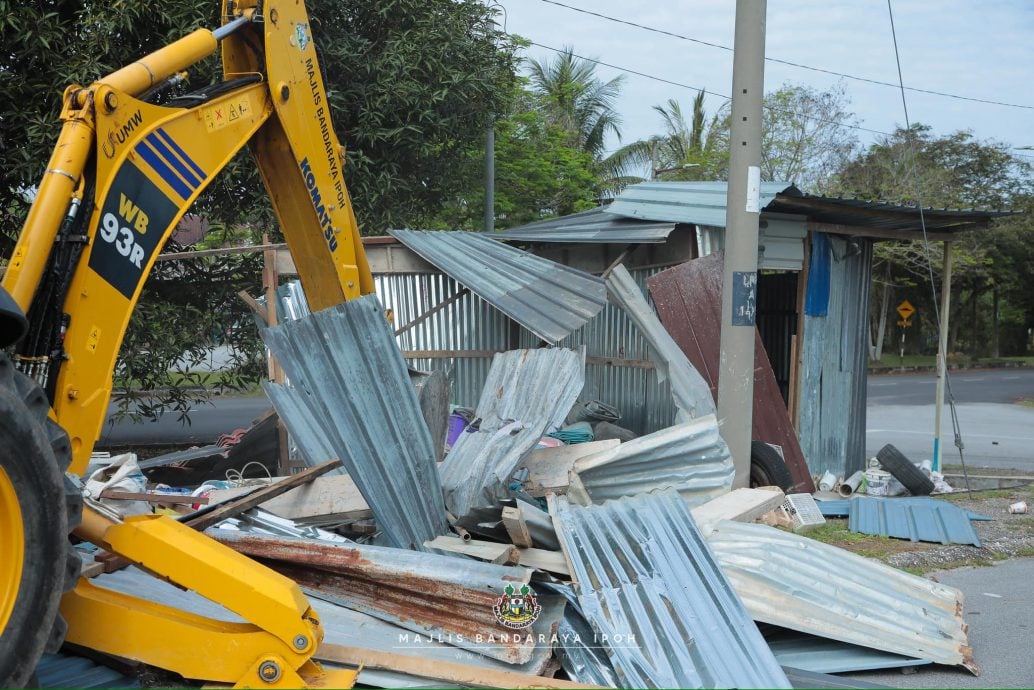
(767, 467)
(34, 454)
(910, 476)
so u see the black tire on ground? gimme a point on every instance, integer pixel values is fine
(910, 476)
(34, 453)
(767, 467)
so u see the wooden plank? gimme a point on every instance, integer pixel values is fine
(254, 304)
(741, 505)
(258, 496)
(170, 499)
(91, 569)
(515, 526)
(548, 468)
(334, 497)
(435, 669)
(552, 561)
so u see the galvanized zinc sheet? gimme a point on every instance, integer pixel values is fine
(528, 393)
(700, 203)
(68, 671)
(646, 579)
(798, 583)
(431, 594)
(689, 390)
(590, 227)
(547, 298)
(351, 380)
(341, 626)
(833, 369)
(918, 519)
(691, 458)
(821, 655)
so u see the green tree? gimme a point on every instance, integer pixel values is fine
(412, 83)
(687, 150)
(580, 103)
(954, 171)
(806, 136)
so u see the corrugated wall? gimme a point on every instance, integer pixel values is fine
(471, 324)
(834, 361)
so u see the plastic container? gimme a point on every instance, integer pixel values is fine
(456, 426)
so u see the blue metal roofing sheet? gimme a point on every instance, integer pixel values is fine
(647, 581)
(545, 297)
(841, 507)
(590, 227)
(700, 203)
(918, 519)
(348, 379)
(67, 671)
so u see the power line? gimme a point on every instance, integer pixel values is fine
(788, 62)
(694, 88)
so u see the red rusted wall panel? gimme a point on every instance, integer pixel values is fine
(688, 299)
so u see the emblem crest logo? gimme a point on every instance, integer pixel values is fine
(517, 608)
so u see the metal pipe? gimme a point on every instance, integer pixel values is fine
(942, 356)
(231, 26)
(739, 280)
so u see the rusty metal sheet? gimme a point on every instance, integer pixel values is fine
(444, 597)
(688, 299)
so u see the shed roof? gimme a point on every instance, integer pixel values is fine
(596, 226)
(704, 203)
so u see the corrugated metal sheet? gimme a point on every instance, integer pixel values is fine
(528, 392)
(545, 297)
(642, 569)
(922, 519)
(798, 583)
(689, 390)
(350, 378)
(780, 242)
(821, 655)
(809, 680)
(306, 431)
(834, 362)
(879, 214)
(691, 458)
(469, 324)
(67, 671)
(700, 203)
(688, 299)
(341, 626)
(427, 593)
(590, 227)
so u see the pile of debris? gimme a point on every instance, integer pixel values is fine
(546, 549)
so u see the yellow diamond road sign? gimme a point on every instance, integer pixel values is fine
(905, 309)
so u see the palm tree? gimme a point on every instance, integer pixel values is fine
(578, 101)
(685, 150)
(581, 104)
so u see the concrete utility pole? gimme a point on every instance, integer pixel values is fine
(739, 282)
(490, 177)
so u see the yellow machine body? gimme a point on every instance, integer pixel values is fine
(136, 168)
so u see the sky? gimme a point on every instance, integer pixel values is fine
(979, 49)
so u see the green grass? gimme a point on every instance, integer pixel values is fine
(891, 360)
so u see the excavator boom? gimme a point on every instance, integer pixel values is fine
(123, 173)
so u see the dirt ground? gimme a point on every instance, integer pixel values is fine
(1006, 536)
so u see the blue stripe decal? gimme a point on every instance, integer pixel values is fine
(183, 154)
(162, 169)
(169, 158)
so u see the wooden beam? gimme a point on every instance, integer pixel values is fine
(432, 311)
(515, 526)
(551, 561)
(254, 304)
(885, 233)
(741, 505)
(333, 497)
(436, 669)
(549, 468)
(258, 496)
(220, 251)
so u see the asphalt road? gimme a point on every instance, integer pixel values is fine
(968, 386)
(996, 433)
(207, 424)
(999, 608)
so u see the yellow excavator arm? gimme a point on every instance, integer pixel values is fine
(123, 173)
